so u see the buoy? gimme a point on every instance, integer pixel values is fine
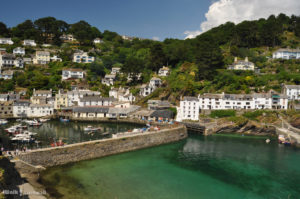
(268, 141)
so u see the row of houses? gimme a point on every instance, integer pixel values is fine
(70, 38)
(40, 57)
(28, 42)
(8, 41)
(191, 106)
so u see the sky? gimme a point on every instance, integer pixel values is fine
(153, 19)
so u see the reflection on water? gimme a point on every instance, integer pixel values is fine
(70, 132)
(200, 167)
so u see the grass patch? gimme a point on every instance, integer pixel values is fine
(253, 115)
(222, 113)
(239, 120)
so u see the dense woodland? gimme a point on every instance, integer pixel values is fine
(198, 65)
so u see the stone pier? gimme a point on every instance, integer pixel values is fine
(100, 148)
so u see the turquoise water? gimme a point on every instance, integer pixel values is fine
(199, 167)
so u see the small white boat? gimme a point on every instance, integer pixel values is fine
(22, 138)
(29, 133)
(90, 128)
(43, 120)
(3, 121)
(11, 130)
(33, 123)
(268, 141)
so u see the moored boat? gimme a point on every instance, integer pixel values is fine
(3, 121)
(90, 128)
(64, 119)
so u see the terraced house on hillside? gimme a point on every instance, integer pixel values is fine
(83, 57)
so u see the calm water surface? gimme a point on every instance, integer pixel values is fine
(199, 167)
(69, 132)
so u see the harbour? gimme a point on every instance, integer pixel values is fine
(218, 166)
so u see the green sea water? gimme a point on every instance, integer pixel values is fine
(199, 167)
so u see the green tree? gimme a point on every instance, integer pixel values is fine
(3, 30)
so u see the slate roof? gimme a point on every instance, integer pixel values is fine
(21, 103)
(163, 114)
(292, 86)
(123, 110)
(188, 98)
(91, 109)
(96, 98)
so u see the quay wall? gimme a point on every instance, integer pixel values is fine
(99, 148)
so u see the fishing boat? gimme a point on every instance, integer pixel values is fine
(64, 119)
(11, 130)
(3, 121)
(22, 138)
(43, 120)
(33, 122)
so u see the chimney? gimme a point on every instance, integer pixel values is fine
(235, 59)
(246, 59)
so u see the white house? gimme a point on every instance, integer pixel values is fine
(285, 53)
(292, 91)
(95, 101)
(131, 76)
(7, 41)
(122, 94)
(98, 41)
(188, 110)
(10, 60)
(108, 79)
(74, 96)
(42, 93)
(40, 110)
(27, 60)
(41, 57)
(72, 73)
(146, 90)
(90, 112)
(55, 58)
(9, 97)
(19, 51)
(29, 42)
(20, 109)
(253, 101)
(7, 74)
(46, 45)
(242, 65)
(115, 70)
(67, 38)
(164, 71)
(83, 57)
(155, 82)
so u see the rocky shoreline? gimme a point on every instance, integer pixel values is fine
(248, 128)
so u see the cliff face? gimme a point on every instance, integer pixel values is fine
(296, 123)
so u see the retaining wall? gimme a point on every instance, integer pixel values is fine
(100, 148)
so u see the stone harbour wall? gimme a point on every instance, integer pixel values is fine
(99, 148)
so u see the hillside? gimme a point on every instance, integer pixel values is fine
(197, 65)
